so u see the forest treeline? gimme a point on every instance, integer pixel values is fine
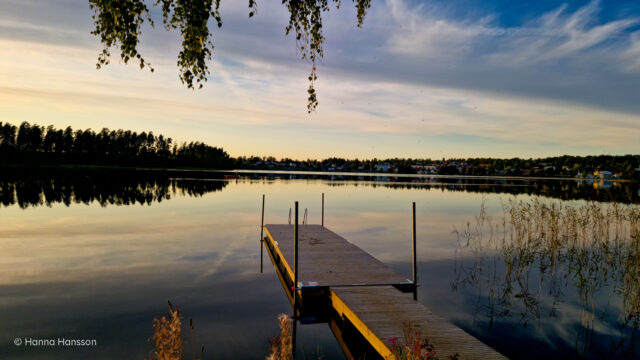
(32, 143)
(623, 166)
(35, 144)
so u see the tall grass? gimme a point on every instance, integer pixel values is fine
(555, 246)
(414, 346)
(282, 345)
(167, 336)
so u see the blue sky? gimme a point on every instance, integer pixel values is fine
(420, 79)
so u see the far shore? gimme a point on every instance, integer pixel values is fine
(299, 172)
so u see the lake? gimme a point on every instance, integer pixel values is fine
(97, 255)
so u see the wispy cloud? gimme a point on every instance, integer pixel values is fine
(416, 31)
(631, 56)
(560, 35)
(416, 80)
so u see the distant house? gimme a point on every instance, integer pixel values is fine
(604, 174)
(430, 169)
(383, 167)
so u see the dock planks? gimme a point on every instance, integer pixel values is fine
(361, 290)
(328, 259)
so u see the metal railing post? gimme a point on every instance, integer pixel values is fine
(294, 337)
(323, 209)
(295, 259)
(262, 235)
(415, 263)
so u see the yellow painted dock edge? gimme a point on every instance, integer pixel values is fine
(283, 282)
(271, 244)
(338, 305)
(342, 309)
(277, 250)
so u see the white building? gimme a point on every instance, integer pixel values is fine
(605, 174)
(383, 167)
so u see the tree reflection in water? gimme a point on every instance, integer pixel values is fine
(106, 187)
(540, 254)
(601, 190)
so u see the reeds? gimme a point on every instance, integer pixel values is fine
(167, 336)
(548, 247)
(414, 346)
(282, 346)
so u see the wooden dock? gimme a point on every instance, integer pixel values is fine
(362, 291)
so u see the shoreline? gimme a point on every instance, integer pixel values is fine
(301, 172)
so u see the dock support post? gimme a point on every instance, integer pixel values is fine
(295, 283)
(322, 209)
(293, 337)
(262, 235)
(415, 263)
(295, 261)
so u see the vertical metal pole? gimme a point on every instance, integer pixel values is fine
(295, 260)
(415, 263)
(262, 235)
(293, 337)
(323, 209)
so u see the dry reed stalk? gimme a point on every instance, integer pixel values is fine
(282, 346)
(585, 246)
(167, 336)
(414, 346)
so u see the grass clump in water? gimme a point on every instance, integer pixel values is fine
(282, 345)
(167, 336)
(414, 347)
(539, 252)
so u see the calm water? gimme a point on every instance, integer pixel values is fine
(97, 256)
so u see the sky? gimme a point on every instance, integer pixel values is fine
(421, 79)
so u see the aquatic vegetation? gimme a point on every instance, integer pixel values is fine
(282, 345)
(538, 251)
(167, 336)
(414, 346)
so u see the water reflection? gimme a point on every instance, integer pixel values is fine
(125, 187)
(103, 187)
(548, 262)
(106, 271)
(599, 190)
